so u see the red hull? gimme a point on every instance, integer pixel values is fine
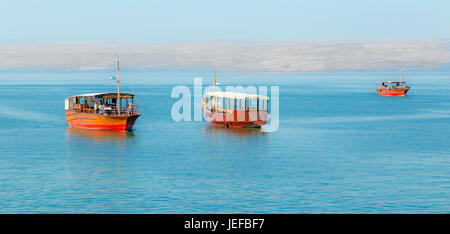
(100, 122)
(237, 118)
(392, 92)
(122, 127)
(251, 124)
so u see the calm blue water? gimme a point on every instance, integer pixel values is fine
(340, 148)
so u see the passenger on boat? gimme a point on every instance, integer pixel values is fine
(95, 107)
(130, 107)
(100, 107)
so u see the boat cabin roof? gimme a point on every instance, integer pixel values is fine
(394, 82)
(105, 95)
(235, 95)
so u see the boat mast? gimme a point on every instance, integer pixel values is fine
(400, 75)
(118, 87)
(214, 81)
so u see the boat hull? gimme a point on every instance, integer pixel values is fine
(237, 118)
(100, 122)
(392, 92)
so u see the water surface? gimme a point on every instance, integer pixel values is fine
(339, 148)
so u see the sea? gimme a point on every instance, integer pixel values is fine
(338, 147)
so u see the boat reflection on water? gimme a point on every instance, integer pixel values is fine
(99, 136)
(238, 132)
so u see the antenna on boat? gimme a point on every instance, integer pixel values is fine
(400, 75)
(118, 86)
(214, 81)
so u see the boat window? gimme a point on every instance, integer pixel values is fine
(219, 103)
(71, 103)
(252, 103)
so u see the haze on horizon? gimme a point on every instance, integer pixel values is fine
(273, 36)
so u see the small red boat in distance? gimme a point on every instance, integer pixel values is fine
(393, 88)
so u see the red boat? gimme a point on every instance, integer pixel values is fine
(102, 111)
(237, 110)
(393, 88)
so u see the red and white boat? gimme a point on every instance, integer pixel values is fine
(236, 110)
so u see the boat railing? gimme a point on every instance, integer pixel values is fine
(123, 111)
(393, 87)
(107, 111)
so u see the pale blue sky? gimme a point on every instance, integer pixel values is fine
(230, 20)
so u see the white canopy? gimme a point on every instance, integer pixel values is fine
(235, 95)
(102, 94)
(89, 95)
